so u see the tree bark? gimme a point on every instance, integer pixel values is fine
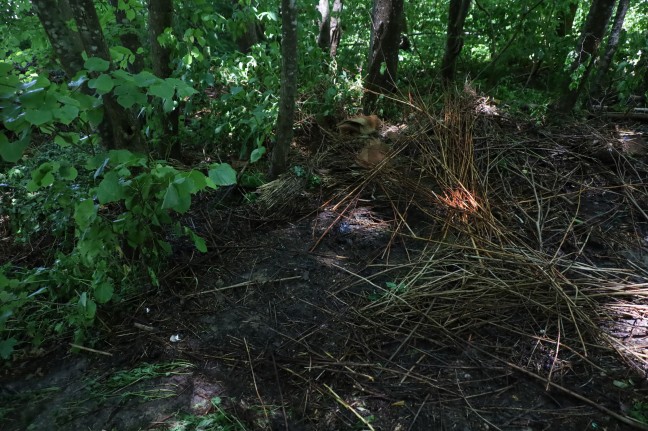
(324, 35)
(566, 18)
(288, 87)
(335, 27)
(610, 49)
(160, 18)
(588, 44)
(383, 50)
(117, 129)
(128, 36)
(454, 39)
(67, 45)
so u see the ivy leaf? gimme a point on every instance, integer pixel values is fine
(222, 175)
(104, 292)
(38, 117)
(96, 64)
(110, 189)
(162, 90)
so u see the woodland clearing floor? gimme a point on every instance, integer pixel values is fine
(303, 318)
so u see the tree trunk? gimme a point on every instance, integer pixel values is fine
(67, 45)
(324, 35)
(588, 44)
(288, 87)
(117, 129)
(610, 49)
(566, 18)
(128, 35)
(160, 18)
(454, 39)
(336, 27)
(383, 50)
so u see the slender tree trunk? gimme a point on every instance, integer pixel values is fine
(588, 44)
(128, 35)
(383, 50)
(610, 49)
(324, 35)
(454, 39)
(336, 27)
(566, 18)
(288, 87)
(161, 18)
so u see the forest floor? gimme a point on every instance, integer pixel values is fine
(498, 288)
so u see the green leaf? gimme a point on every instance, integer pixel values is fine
(104, 292)
(96, 64)
(85, 213)
(222, 174)
(38, 117)
(68, 172)
(7, 347)
(110, 188)
(171, 198)
(103, 84)
(257, 153)
(199, 242)
(198, 181)
(145, 79)
(162, 89)
(88, 306)
(12, 151)
(5, 67)
(67, 113)
(65, 139)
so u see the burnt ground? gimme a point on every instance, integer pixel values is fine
(307, 316)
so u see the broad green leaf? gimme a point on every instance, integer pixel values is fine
(5, 67)
(103, 84)
(168, 105)
(110, 188)
(96, 64)
(104, 292)
(222, 174)
(12, 151)
(183, 89)
(85, 213)
(145, 79)
(198, 180)
(67, 113)
(65, 139)
(95, 116)
(256, 154)
(162, 89)
(68, 172)
(38, 117)
(7, 347)
(171, 198)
